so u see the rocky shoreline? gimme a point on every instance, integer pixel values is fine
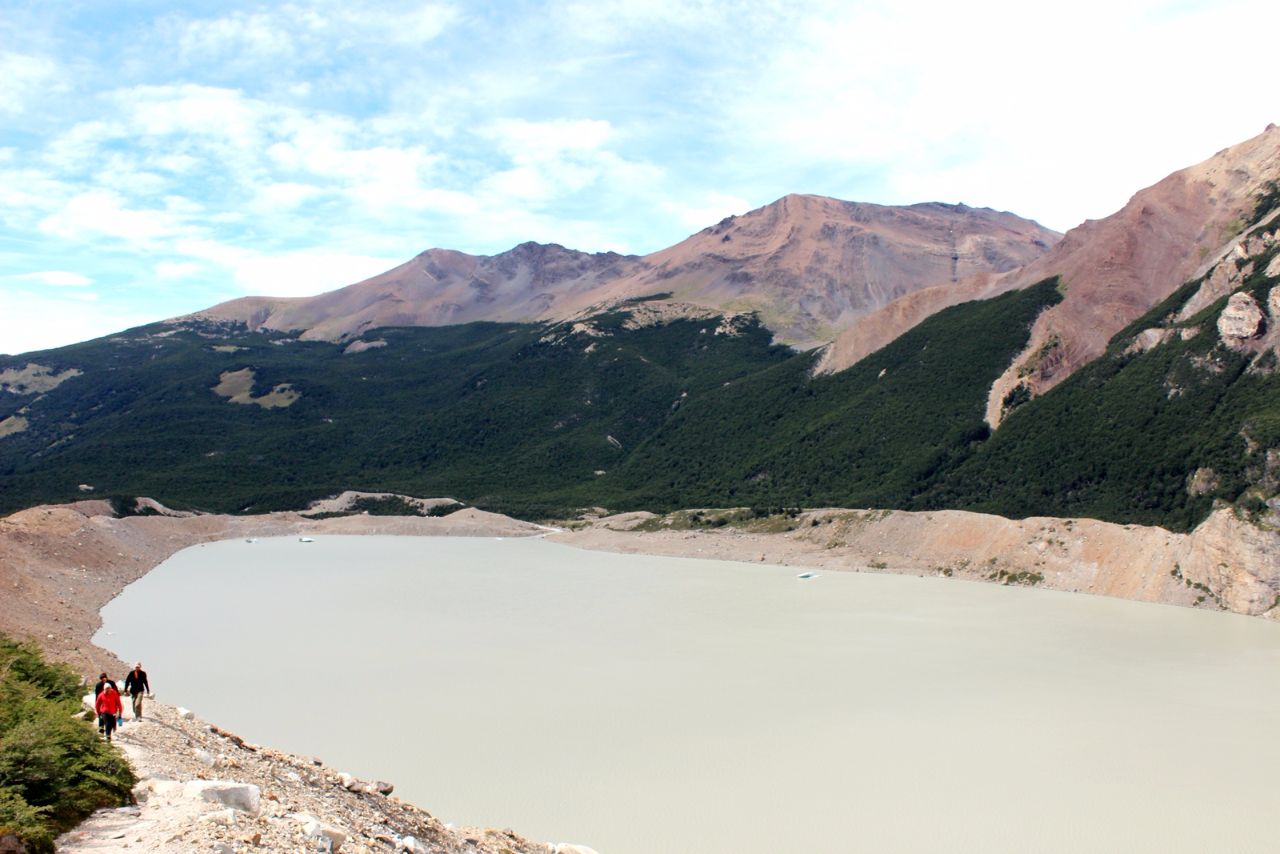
(59, 565)
(202, 788)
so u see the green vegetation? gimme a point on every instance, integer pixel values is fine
(1121, 438)
(1268, 200)
(870, 436)
(503, 416)
(54, 770)
(539, 421)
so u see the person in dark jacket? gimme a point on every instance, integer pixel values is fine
(109, 708)
(136, 686)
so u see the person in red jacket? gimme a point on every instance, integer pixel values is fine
(108, 707)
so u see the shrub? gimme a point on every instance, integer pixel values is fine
(54, 770)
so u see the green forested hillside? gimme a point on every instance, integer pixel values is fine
(1122, 438)
(871, 436)
(541, 421)
(497, 414)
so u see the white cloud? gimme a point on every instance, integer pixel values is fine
(104, 213)
(290, 273)
(57, 278)
(707, 209)
(25, 78)
(25, 323)
(177, 270)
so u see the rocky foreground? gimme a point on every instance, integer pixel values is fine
(204, 789)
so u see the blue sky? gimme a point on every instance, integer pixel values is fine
(157, 158)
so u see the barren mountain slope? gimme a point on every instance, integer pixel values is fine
(1112, 270)
(808, 264)
(438, 288)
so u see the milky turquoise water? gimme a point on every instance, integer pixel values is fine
(645, 705)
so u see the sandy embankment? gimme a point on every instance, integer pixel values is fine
(60, 565)
(1224, 564)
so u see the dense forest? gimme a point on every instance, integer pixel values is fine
(542, 421)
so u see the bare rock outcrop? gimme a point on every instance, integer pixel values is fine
(1111, 270)
(1240, 320)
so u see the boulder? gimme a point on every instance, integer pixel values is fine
(204, 757)
(1241, 320)
(1273, 269)
(569, 848)
(245, 797)
(1273, 300)
(185, 714)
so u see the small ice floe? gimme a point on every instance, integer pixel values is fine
(805, 576)
(305, 540)
(250, 540)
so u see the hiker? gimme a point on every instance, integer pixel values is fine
(136, 685)
(103, 682)
(108, 708)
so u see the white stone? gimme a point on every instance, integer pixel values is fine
(241, 796)
(316, 829)
(335, 836)
(88, 700)
(204, 757)
(152, 788)
(408, 843)
(226, 817)
(570, 848)
(185, 714)
(1241, 319)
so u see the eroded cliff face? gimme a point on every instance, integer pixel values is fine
(1228, 563)
(1111, 270)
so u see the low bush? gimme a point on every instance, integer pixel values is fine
(54, 769)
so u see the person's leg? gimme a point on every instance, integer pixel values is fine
(137, 707)
(111, 725)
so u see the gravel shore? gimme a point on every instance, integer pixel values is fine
(204, 789)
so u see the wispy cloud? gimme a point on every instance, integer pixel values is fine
(56, 278)
(193, 156)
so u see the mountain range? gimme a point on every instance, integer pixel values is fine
(813, 352)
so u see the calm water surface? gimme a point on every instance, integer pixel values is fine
(645, 705)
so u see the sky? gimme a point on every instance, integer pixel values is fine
(157, 158)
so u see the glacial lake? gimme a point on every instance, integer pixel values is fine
(646, 705)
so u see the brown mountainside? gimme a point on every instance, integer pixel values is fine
(808, 264)
(1112, 270)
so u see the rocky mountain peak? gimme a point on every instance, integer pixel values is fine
(807, 264)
